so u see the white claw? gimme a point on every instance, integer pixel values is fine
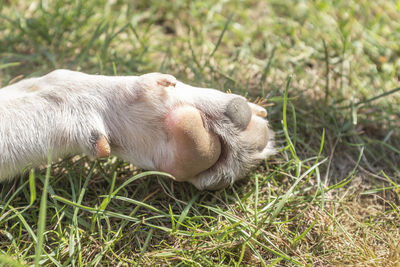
(257, 110)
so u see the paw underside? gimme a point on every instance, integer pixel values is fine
(220, 146)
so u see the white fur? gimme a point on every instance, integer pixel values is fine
(61, 110)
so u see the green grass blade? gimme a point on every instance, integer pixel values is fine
(42, 213)
(8, 261)
(378, 96)
(32, 186)
(8, 65)
(184, 213)
(285, 126)
(287, 195)
(228, 21)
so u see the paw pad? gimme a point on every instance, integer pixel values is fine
(100, 145)
(239, 112)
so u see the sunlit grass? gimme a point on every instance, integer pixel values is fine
(330, 196)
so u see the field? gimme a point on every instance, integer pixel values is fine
(330, 71)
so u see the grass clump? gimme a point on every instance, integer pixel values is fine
(330, 197)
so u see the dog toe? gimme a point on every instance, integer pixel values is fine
(258, 110)
(239, 112)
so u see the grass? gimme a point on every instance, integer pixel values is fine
(331, 195)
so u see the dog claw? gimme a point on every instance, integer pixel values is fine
(258, 110)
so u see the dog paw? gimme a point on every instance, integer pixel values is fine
(227, 137)
(199, 135)
(246, 140)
